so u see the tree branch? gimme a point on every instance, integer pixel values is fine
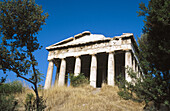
(18, 75)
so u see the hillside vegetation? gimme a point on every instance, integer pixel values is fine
(85, 99)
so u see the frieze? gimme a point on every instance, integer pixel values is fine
(73, 51)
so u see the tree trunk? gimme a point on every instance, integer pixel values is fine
(37, 96)
(35, 82)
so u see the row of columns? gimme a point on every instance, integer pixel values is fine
(93, 70)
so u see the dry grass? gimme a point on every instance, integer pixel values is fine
(21, 98)
(88, 99)
(85, 99)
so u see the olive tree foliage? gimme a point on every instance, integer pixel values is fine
(20, 22)
(157, 30)
(155, 49)
(154, 57)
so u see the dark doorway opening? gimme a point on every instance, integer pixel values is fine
(102, 65)
(119, 66)
(70, 64)
(85, 65)
(57, 64)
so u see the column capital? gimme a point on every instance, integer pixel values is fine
(51, 60)
(93, 54)
(111, 52)
(62, 58)
(127, 50)
(77, 56)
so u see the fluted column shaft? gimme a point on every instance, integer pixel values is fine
(111, 69)
(128, 63)
(77, 66)
(134, 68)
(93, 71)
(49, 75)
(61, 80)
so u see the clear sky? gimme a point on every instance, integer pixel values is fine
(70, 17)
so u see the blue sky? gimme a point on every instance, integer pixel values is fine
(70, 17)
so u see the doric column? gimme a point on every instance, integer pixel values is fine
(128, 63)
(49, 75)
(61, 80)
(134, 68)
(77, 66)
(111, 69)
(93, 71)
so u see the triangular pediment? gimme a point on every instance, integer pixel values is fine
(85, 38)
(82, 38)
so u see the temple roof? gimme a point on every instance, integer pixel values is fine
(84, 38)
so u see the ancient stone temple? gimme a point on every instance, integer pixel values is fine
(100, 58)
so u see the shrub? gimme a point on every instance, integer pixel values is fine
(30, 103)
(7, 100)
(79, 80)
(129, 90)
(7, 103)
(11, 88)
